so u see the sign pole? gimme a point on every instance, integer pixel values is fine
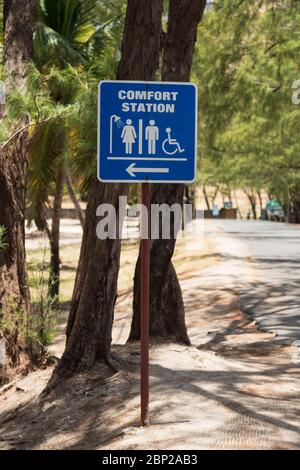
(145, 302)
(147, 133)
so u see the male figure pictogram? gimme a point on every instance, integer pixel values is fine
(152, 136)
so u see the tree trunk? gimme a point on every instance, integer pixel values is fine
(91, 316)
(295, 202)
(217, 189)
(167, 315)
(206, 198)
(252, 200)
(254, 212)
(18, 45)
(167, 318)
(260, 202)
(228, 193)
(54, 276)
(223, 196)
(237, 205)
(14, 292)
(73, 197)
(187, 195)
(288, 206)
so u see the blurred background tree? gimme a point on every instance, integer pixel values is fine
(246, 63)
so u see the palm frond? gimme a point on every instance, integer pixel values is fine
(52, 48)
(62, 29)
(46, 153)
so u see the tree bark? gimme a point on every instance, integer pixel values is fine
(228, 193)
(206, 198)
(91, 316)
(167, 315)
(18, 43)
(252, 199)
(167, 318)
(73, 197)
(54, 275)
(295, 203)
(14, 292)
(260, 202)
(237, 205)
(217, 189)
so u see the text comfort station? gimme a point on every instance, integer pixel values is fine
(158, 101)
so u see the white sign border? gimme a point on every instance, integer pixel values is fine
(147, 180)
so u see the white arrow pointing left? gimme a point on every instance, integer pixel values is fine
(131, 170)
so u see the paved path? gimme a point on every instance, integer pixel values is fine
(272, 293)
(235, 388)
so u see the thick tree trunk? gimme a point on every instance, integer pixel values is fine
(54, 276)
(167, 315)
(14, 292)
(91, 316)
(18, 45)
(166, 303)
(73, 197)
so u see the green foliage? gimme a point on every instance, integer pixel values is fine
(9, 323)
(37, 329)
(47, 148)
(83, 127)
(1, 35)
(42, 317)
(3, 242)
(246, 62)
(76, 44)
(65, 32)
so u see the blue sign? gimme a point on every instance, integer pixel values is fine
(147, 132)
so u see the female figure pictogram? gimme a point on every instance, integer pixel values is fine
(128, 136)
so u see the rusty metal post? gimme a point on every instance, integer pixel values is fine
(145, 302)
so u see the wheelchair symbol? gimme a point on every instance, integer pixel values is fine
(171, 146)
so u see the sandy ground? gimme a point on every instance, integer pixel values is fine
(234, 388)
